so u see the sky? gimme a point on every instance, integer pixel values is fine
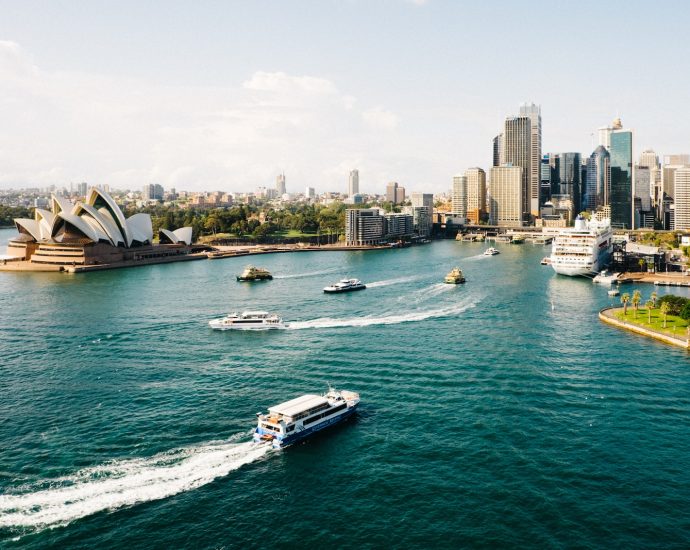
(226, 95)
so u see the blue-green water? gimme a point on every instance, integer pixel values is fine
(496, 413)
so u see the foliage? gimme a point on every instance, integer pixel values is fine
(675, 303)
(9, 213)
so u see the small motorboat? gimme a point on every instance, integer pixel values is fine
(491, 251)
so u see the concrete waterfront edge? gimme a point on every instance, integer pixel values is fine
(606, 316)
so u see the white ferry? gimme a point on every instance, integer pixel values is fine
(303, 416)
(582, 250)
(248, 320)
(345, 285)
(491, 251)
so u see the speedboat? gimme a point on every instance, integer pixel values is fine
(491, 251)
(614, 292)
(248, 320)
(345, 285)
(252, 273)
(303, 416)
(455, 277)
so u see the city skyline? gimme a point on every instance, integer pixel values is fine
(228, 109)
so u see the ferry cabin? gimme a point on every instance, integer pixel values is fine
(299, 417)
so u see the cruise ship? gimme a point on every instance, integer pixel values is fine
(583, 249)
(303, 416)
(248, 320)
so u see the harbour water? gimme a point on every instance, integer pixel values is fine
(496, 413)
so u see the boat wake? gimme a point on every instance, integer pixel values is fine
(387, 282)
(409, 317)
(303, 275)
(122, 483)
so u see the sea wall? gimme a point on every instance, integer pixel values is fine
(607, 316)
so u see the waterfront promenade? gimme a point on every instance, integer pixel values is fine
(609, 315)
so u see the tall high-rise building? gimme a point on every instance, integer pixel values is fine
(682, 198)
(395, 193)
(310, 192)
(569, 179)
(545, 179)
(621, 196)
(648, 158)
(643, 188)
(153, 192)
(82, 188)
(422, 210)
(534, 113)
(517, 151)
(597, 187)
(497, 144)
(280, 185)
(353, 183)
(476, 194)
(458, 199)
(677, 160)
(606, 131)
(506, 195)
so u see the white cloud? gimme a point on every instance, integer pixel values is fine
(69, 127)
(281, 82)
(380, 119)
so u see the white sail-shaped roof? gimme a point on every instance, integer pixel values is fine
(140, 228)
(106, 222)
(28, 227)
(85, 228)
(184, 235)
(100, 200)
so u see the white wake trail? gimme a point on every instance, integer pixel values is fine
(413, 316)
(387, 282)
(125, 483)
(309, 274)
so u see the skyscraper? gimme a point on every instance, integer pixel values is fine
(649, 159)
(422, 210)
(497, 144)
(534, 113)
(517, 151)
(506, 195)
(353, 183)
(280, 185)
(458, 199)
(569, 172)
(621, 197)
(395, 193)
(597, 187)
(476, 194)
(682, 198)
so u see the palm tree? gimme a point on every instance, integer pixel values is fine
(636, 299)
(664, 311)
(625, 298)
(654, 296)
(649, 305)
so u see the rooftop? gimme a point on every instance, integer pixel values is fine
(298, 405)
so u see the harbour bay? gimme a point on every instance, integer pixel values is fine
(499, 412)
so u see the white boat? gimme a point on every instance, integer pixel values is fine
(582, 250)
(614, 292)
(303, 416)
(345, 285)
(248, 320)
(605, 278)
(491, 251)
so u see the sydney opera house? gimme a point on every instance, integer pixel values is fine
(91, 233)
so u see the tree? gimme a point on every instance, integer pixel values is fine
(625, 298)
(649, 305)
(636, 298)
(653, 297)
(664, 311)
(643, 264)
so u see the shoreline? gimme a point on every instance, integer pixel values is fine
(607, 315)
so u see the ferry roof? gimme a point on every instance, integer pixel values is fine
(298, 405)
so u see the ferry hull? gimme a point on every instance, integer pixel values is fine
(279, 443)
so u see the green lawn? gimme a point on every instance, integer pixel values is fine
(675, 326)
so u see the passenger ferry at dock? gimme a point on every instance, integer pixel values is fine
(303, 416)
(582, 250)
